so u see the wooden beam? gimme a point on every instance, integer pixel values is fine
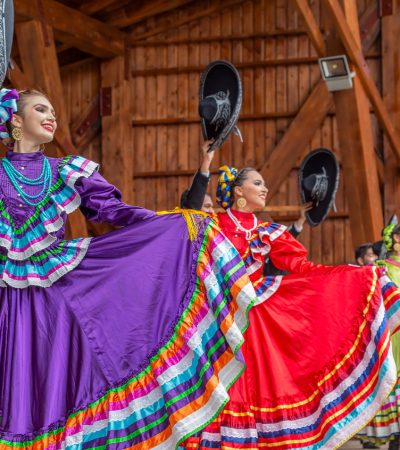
(133, 13)
(39, 63)
(213, 38)
(76, 64)
(40, 66)
(297, 137)
(191, 120)
(75, 28)
(285, 154)
(370, 26)
(363, 73)
(17, 78)
(216, 7)
(369, 29)
(94, 6)
(87, 125)
(20, 81)
(312, 26)
(391, 96)
(239, 65)
(356, 141)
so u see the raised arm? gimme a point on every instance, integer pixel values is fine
(101, 202)
(193, 198)
(297, 227)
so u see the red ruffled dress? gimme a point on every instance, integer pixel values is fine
(317, 350)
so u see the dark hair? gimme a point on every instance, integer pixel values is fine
(377, 248)
(362, 249)
(241, 177)
(396, 230)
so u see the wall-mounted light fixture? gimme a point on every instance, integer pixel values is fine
(336, 72)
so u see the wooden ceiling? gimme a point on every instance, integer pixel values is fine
(96, 28)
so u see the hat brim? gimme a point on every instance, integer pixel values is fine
(221, 76)
(313, 163)
(6, 36)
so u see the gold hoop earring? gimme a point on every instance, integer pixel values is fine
(396, 247)
(241, 202)
(17, 134)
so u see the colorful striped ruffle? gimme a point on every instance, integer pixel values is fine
(391, 297)
(343, 401)
(385, 425)
(32, 254)
(185, 384)
(45, 267)
(255, 256)
(258, 249)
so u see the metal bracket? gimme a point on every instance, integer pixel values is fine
(106, 101)
(386, 7)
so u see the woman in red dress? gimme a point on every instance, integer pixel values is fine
(317, 351)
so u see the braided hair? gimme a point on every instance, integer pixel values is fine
(229, 178)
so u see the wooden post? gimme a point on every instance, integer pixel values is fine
(74, 28)
(391, 95)
(354, 51)
(40, 66)
(356, 140)
(309, 117)
(117, 134)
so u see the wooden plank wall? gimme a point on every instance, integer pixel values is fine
(81, 84)
(166, 154)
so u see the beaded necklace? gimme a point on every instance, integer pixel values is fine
(18, 178)
(238, 225)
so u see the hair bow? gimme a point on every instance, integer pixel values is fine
(387, 236)
(8, 106)
(227, 175)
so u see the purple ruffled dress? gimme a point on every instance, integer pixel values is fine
(128, 340)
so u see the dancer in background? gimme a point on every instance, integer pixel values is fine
(317, 350)
(365, 255)
(385, 426)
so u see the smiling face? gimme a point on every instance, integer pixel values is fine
(37, 119)
(253, 190)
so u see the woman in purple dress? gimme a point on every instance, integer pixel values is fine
(128, 340)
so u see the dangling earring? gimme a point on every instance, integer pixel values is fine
(17, 134)
(42, 148)
(241, 202)
(396, 247)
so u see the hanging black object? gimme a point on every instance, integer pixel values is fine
(318, 183)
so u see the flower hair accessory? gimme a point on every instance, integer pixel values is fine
(227, 175)
(8, 106)
(387, 235)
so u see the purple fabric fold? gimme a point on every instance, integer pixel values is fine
(62, 347)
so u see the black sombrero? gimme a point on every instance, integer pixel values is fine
(318, 183)
(220, 101)
(6, 36)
